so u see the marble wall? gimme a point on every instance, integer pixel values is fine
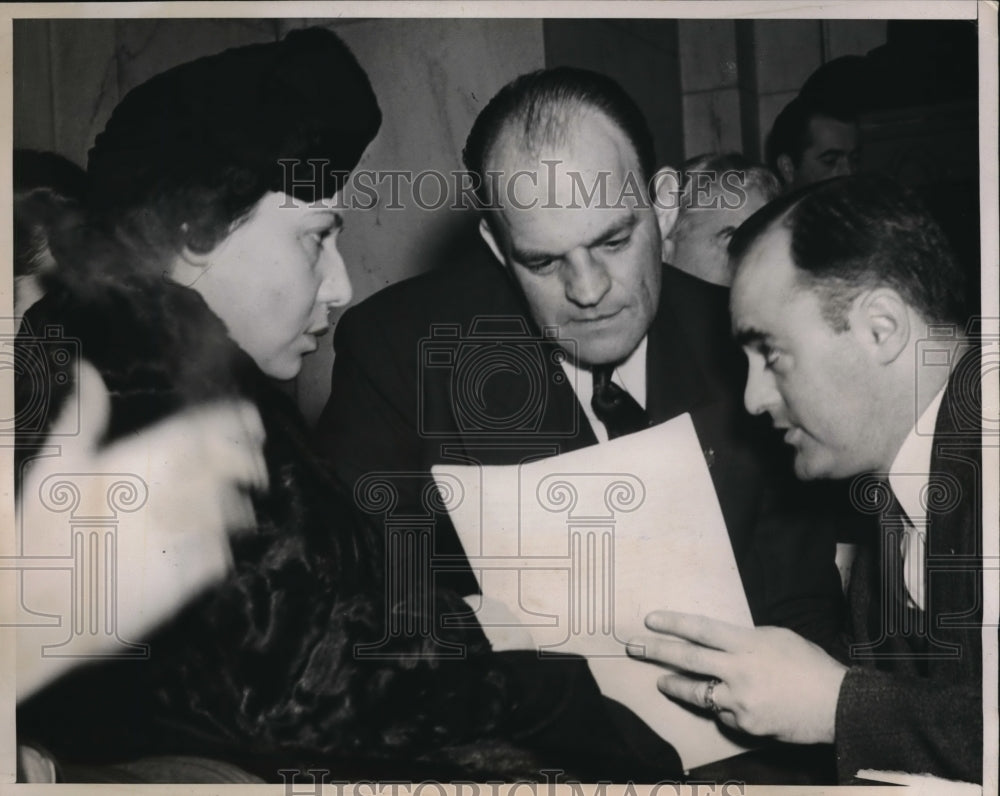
(641, 54)
(737, 75)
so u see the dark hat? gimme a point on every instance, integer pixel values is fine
(247, 109)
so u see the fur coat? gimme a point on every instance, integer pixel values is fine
(260, 670)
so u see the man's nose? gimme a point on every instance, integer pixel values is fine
(335, 290)
(845, 167)
(587, 280)
(761, 393)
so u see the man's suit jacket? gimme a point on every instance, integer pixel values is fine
(912, 699)
(448, 367)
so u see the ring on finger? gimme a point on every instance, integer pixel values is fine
(708, 700)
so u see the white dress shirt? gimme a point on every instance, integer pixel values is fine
(908, 477)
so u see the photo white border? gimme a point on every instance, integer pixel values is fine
(984, 10)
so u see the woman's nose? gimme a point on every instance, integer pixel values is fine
(335, 289)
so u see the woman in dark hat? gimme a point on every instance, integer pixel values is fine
(206, 271)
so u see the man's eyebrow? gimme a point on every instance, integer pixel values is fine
(625, 224)
(527, 255)
(622, 225)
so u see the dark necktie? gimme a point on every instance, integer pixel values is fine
(893, 530)
(619, 411)
(899, 618)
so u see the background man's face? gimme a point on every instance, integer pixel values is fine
(703, 233)
(832, 151)
(815, 383)
(587, 264)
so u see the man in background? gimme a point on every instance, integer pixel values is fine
(813, 140)
(718, 193)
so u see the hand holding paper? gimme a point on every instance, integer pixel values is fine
(772, 682)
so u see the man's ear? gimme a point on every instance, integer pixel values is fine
(487, 235)
(786, 169)
(882, 318)
(666, 196)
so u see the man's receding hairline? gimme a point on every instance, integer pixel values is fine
(782, 221)
(569, 110)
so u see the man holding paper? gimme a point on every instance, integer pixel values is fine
(580, 335)
(849, 306)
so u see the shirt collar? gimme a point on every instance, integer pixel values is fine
(911, 469)
(631, 373)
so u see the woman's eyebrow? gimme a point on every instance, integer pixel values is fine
(747, 336)
(336, 220)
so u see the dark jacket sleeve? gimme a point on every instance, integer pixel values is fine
(795, 541)
(893, 723)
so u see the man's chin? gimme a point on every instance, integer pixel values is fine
(807, 469)
(603, 352)
(815, 467)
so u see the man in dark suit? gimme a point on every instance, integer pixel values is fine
(849, 303)
(581, 334)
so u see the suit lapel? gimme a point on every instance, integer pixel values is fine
(565, 404)
(954, 519)
(675, 382)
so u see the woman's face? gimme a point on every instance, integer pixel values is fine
(273, 280)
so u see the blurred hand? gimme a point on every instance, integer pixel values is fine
(773, 682)
(197, 466)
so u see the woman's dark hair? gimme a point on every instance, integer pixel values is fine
(197, 213)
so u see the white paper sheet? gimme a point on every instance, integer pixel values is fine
(580, 547)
